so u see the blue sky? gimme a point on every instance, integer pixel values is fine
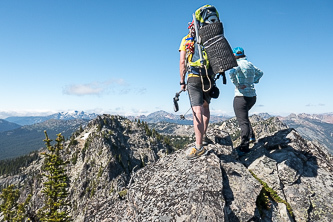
(121, 57)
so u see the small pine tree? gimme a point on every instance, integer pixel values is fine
(56, 184)
(166, 141)
(12, 211)
(9, 204)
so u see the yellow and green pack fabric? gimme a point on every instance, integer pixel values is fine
(198, 12)
(193, 59)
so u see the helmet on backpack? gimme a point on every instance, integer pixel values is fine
(212, 19)
(207, 14)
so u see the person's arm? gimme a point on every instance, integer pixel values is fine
(257, 75)
(235, 79)
(233, 76)
(182, 69)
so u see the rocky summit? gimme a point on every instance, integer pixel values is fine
(120, 170)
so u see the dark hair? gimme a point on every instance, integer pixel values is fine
(237, 57)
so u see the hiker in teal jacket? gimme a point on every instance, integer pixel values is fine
(244, 76)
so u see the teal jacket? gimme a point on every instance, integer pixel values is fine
(245, 74)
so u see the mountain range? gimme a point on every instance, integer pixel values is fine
(16, 140)
(120, 170)
(29, 120)
(317, 127)
(5, 125)
(23, 140)
(162, 116)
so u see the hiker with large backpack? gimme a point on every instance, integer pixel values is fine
(244, 76)
(198, 89)
(203, 45)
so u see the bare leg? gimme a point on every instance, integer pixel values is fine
(198, 124)
(205, 116)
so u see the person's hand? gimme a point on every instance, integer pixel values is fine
(183, 87)
(241, 86)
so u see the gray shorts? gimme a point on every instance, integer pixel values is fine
(195, 92)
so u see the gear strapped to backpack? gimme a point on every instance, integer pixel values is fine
(193, 59)
(207, 14)
(211, 36)
(197, 63)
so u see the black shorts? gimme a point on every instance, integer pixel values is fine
(195, 91)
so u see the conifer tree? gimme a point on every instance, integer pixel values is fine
(9, 196)
(56, 185)
(12, 211)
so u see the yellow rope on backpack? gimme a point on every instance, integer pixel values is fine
(202, 82)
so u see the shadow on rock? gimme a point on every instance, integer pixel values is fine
(288, 150)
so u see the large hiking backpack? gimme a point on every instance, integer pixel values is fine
(219, 52)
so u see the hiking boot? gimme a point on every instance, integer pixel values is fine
(244, 145)
(206, 141)
(242, 150)
(195, 153)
